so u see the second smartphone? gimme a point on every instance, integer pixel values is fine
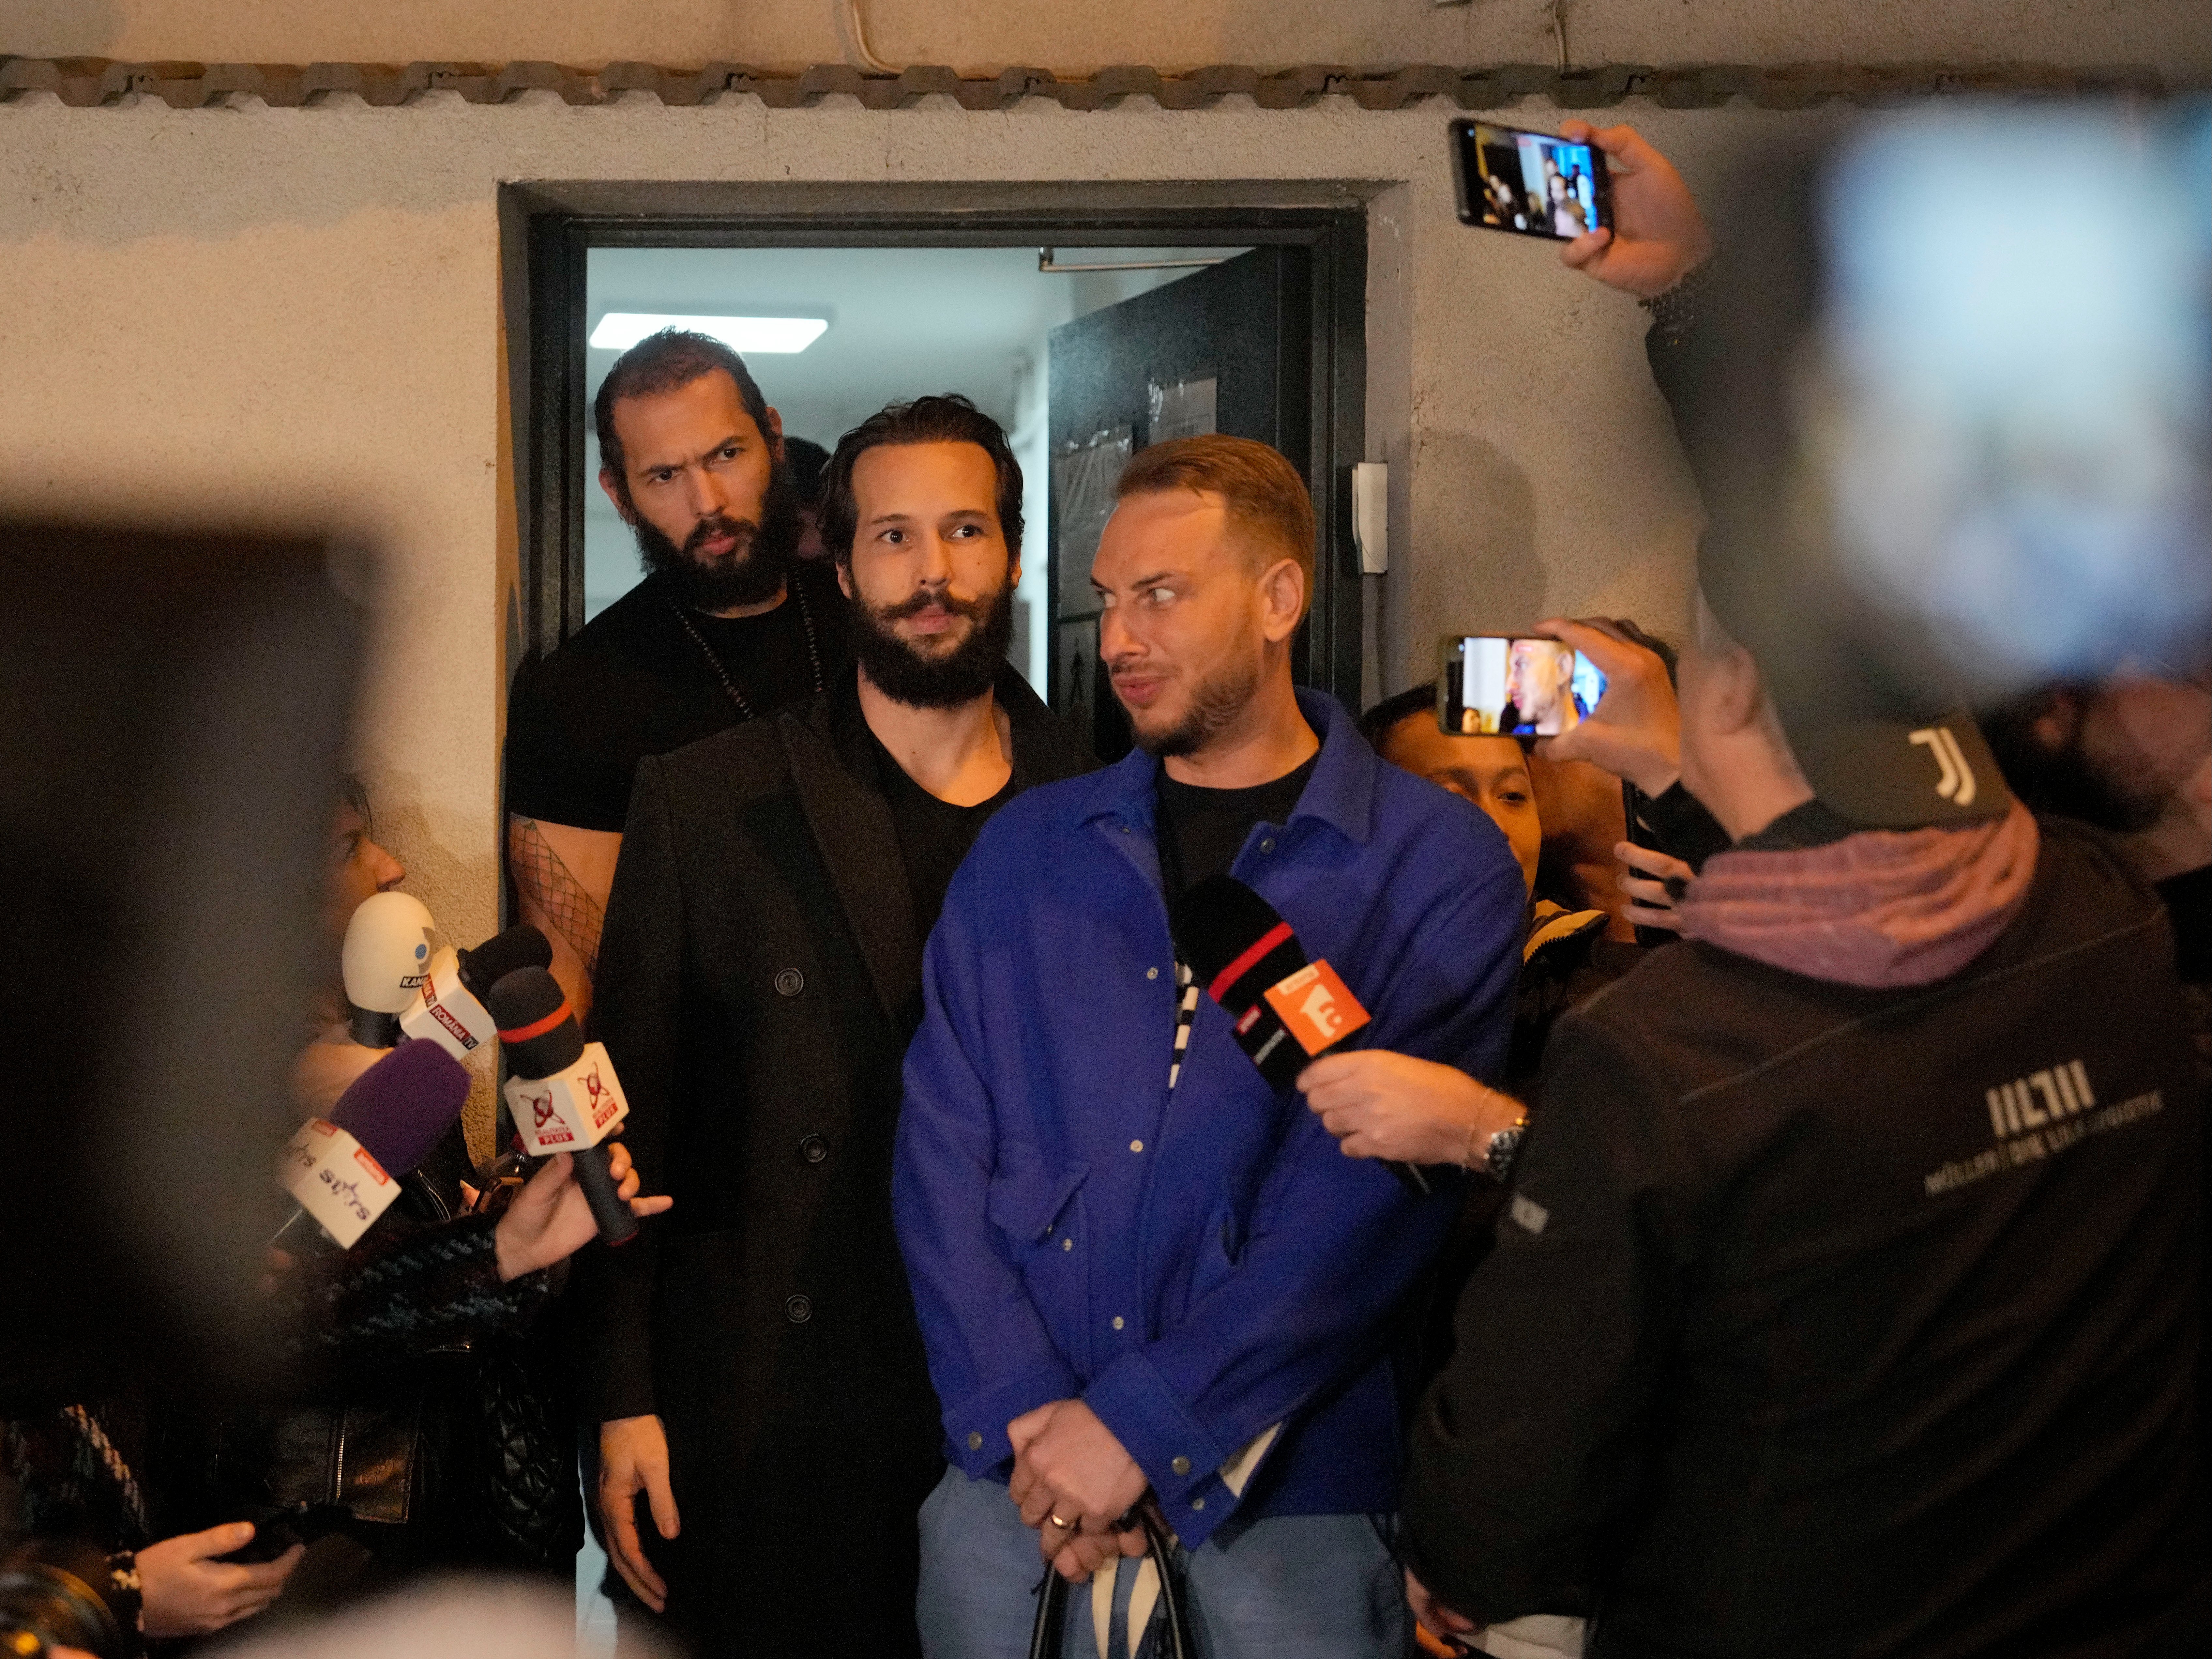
(1533, 184)
(1499, 685)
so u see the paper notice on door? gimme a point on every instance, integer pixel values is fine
(1183, 410)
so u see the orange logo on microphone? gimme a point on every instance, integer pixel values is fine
(1317, 1007)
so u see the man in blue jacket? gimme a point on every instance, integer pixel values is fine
(1142, 1274)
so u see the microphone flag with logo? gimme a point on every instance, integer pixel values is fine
(344, 1170)
(1284, 1010)
(561, 1091)
(449, 1008)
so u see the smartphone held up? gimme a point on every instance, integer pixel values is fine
(1497, 685)
(1533, 184)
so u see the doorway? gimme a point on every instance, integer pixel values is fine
(1234, 308)
(834, 334)
(1240, 307)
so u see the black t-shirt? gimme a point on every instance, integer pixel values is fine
(635, 682)
(934, 835)
(1201, 831)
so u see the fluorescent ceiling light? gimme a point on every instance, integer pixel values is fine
(618, 331)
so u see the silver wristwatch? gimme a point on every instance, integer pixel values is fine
(1503, 1148)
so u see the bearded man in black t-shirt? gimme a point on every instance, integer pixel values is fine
(727, 626)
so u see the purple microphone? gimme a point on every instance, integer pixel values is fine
(344, 1169)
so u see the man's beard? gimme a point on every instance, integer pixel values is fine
(751, 572)
(962, 675)
(1216, 704)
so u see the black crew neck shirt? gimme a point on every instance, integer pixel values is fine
(1201, 831)
(633, 682)
(934, 835)
(765, 656)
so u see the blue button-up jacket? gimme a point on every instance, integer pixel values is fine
(1198, 1265)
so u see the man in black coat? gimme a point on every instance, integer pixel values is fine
(754, 1363)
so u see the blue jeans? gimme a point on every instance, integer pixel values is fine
(1291, 1587)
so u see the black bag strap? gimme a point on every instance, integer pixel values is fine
(1174, 1619)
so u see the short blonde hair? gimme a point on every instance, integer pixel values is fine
(1262, 493)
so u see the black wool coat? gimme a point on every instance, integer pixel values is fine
(759, 977)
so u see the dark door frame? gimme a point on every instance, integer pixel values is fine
(547, 229)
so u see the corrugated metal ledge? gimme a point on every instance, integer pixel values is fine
(85, 83)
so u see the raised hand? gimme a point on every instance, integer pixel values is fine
(1658, 236)
(1650, 879)
(1635, 731)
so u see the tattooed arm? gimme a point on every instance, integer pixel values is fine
(561, 874)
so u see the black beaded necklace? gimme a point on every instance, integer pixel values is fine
(745, 711)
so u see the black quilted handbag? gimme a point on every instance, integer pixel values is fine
(529, 1462)
(1174, 1617)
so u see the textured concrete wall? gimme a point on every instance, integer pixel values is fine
(296, 313)
(2175, 36)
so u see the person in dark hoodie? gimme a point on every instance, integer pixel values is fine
(1852, 1268)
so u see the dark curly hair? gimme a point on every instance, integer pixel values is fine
(664, 363)
(947, 418)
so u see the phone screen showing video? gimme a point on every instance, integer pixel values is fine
(1531, 183)
(1494, 686)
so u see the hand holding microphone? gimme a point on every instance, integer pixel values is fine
(1285, 1010)
(1386, 1106)
(562, 1092)
(552, 1218)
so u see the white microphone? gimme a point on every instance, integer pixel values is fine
(389, 946)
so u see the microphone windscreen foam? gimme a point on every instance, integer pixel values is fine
(536, 1026)
(1233, 942)
(387, 952)
(522, 946)
(401, 1107)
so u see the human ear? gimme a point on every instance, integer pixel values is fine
(1739, 693)
(612, 485)
(1282, 597)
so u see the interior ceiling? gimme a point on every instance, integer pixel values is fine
(903, 321)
